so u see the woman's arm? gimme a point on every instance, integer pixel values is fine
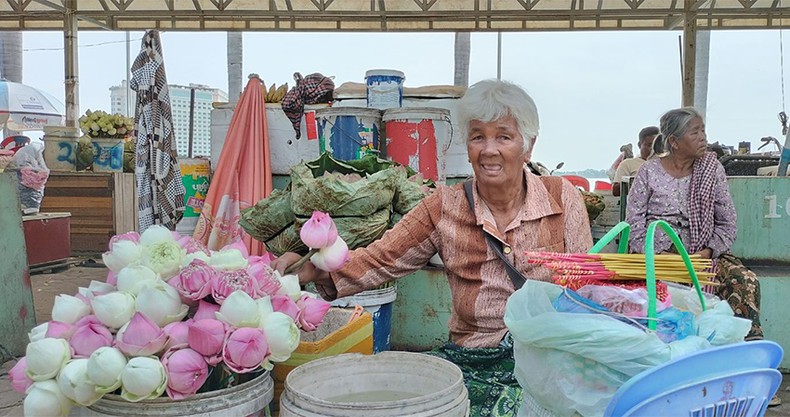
(724, 217)
(578, 237)
(636, 210)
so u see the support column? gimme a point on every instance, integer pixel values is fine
(689, 53)
(701, 69)
(235, 57)
(463, 41)
(70, 54)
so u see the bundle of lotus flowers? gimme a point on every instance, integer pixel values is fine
(616, 266)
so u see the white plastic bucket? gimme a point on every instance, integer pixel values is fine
(419, 137)
(107, 154)
(378, 302)
(60, 147)
(349, 133)
(382, 385)
(384, 88)
(248, 399)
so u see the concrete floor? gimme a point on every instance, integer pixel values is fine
(47, 286)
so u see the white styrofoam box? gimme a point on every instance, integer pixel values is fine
(284, 148)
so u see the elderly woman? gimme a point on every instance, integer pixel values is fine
(478, 228)
(687, 187)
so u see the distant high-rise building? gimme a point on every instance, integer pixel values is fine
(179, 106)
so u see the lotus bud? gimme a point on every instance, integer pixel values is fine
(284, 304)
(207, 337)
(132, 278)
(69, 309)
(114, 309)
(44, 398)
(60, 330)
(188, 258)
(245, 350)
(238, 245)
(143, 378)
(186, 372)
(89, 336)
(177, 333)
(313, 311)
(140, 337)
(318, 232)
(161, 303)
(282, 334)
(100, 288)
(289, 286)
(122, 254)
(239, 310)
(104, 368)
(112, 278)
(130, 236)
(39, 332)
(331, 258)
(228, 259)
(45, 358)
(19, 379)
(264, 306)
(193, 246)
(205, 310)
(75, 385)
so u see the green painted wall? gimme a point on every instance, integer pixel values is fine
(763, 207)
(17, 315)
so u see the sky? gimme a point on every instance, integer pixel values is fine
(594, 90)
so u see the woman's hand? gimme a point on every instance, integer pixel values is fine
(706, 253)
(307, 273)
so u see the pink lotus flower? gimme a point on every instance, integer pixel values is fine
(132, 236)
(331, 258)
(245, 349)
(263, 274)
(194, 280)
(88, 336)
(207, 337)
(186, 372)
(313, 312)
(19, 380)
(284, 304)
(193, 246)
(140, 337)
(205, 310)
(112, 278)
(226, 282)
(60, 330)
(318, 232)
(176, 332)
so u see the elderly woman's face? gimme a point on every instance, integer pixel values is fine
(496, 151)
(693, 143)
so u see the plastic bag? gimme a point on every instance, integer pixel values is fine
(631, 302)
(32, 174)
(685, 298)
(576, 362)
(721, 327)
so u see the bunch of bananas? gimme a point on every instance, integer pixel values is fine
(274, 94)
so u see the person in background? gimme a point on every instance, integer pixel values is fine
(629, 167)
(521, 211)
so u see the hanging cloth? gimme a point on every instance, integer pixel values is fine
(313, 89)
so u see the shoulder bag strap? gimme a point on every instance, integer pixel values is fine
(516, 277)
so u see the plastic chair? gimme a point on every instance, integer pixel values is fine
(690, 370)
(578, 181)
(602, 186)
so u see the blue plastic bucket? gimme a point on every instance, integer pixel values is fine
(348, 132)
(378, 303)
(384, 88)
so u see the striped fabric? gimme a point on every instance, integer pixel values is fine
(553, 218)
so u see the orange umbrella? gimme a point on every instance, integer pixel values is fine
(243, 175)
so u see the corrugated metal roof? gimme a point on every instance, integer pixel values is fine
(395, 15)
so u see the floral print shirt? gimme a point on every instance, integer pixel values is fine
(656, 195)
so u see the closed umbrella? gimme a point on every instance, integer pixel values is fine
(160, 191)
(23, 107)
(243, 175)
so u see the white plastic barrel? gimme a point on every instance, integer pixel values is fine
(383, 385)
(248, 399)
(419, 137)
(384, 88)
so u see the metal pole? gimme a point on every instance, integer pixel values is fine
(70, 39)
(689, 53)
(128, 77)
(191, 119)
(499, 55)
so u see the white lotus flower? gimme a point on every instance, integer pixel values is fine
(239, 310)
(228, 259)
(133, 277)
(160, 302)
(282, 335)
(75, 385)
(46, 357)
(104, 368)
(265, 307)
(39, 332)
(114, 309)
(143, 378)
(44, 398)
(289, 285)
(122, 254)
(161, 251)
(156, 234)
(69, 309)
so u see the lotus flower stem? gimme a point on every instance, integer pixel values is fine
(298, 264)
